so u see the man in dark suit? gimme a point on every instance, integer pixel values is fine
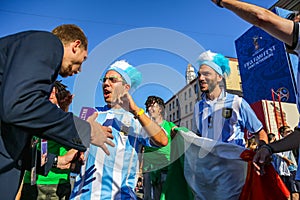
(29, 64)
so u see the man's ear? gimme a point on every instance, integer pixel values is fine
(220, 78)
(76, 45)
(127, 87)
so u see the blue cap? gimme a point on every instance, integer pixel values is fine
(216, 61)
(129, 73)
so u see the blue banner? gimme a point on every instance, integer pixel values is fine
(264, 65)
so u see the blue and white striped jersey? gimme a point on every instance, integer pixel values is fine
(114, 174)
(225, 119)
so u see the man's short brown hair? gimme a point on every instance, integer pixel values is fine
(68, 33)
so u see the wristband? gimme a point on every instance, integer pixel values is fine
(54, 165)
(266, 146)
(141, 111)
(219, 3)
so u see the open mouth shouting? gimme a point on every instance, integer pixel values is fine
(106, 93)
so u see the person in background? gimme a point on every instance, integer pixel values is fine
(271, 137)
(286, 166)
(30, 62)
(56, 184)
(251, 143)
(116, 175)
(156, 160)
(288, 32)
(139, 189)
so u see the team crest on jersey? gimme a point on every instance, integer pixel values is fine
(227, 113)
(124, 130)
(125, 127)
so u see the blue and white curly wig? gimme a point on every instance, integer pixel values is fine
(216, 61)
(129, 73)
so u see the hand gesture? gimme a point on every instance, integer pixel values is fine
(288, 161)
(64, 162)
(127, 103)
(100, 135)
(261, 158)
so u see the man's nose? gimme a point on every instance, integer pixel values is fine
(200, 77)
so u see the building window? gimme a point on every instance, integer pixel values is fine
(191, 106)
(195, 88)
(170, 107)
(170, 118)
(173, 116)
(184, 95)
(186, 109)
(190, 92)
(173, 104)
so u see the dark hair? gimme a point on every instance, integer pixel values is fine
(271, 136)
(64, 96)
(140, 179)
(68, 33)
(251, 141)
(283, 128)
(155, 99)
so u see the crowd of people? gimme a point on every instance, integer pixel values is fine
(39, 135)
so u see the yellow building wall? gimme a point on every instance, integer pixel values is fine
(233, 81)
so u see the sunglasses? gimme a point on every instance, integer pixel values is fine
(111, 79)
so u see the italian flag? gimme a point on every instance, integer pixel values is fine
(206, 169)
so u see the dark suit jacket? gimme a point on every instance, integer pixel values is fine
(29, 64)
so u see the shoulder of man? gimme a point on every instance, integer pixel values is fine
(168, 125)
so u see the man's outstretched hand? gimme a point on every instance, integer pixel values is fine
(100, 135)
(261, 158)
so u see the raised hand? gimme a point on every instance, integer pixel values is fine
(127, 103)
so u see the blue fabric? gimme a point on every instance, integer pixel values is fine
(126, 193)
(122, 73)
(225, 119)
(212, 65)
(115, 175)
